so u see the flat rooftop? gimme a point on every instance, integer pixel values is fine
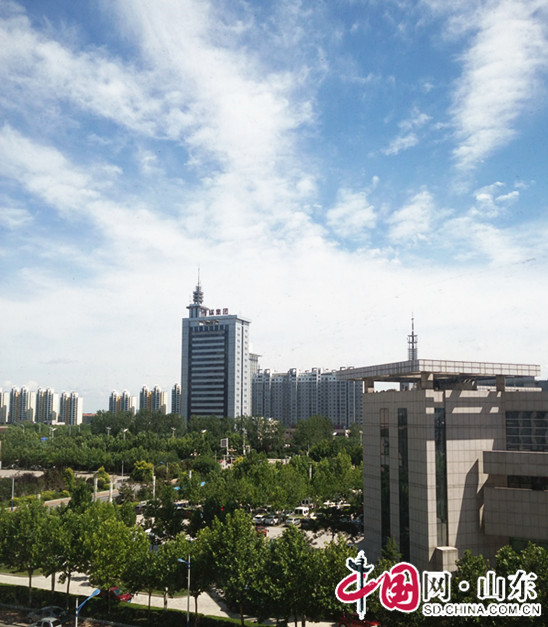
(409, 371)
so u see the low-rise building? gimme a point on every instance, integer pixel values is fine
(454, 459)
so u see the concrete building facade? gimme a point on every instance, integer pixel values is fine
(215, 362)
(456, 459)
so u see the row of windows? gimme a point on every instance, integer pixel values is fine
(527, 431)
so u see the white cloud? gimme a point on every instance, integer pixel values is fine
(415, 221)
(408, 137)
(501, 75)
(14, 218)
(490, 203)
(400, 143)
(352, 216)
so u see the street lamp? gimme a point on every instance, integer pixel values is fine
(173, 429)
(124, 431)
(108, 430)
(52, 431)
(188, 588)
(79, 607)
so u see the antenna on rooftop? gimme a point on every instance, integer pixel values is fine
(412, 343)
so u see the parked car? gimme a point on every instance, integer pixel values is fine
(292, 520)
(261, 530)
(50, 611)
(351, 619)
(49, 621)
(117, 594)
(271, 520)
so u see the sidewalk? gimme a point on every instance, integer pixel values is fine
(79, 585)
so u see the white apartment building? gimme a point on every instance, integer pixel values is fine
(297, 395)
(152, 400)
(176, 399)
(70, 408)
(455, 459)
(122, 402)
(215, 362)
(22, 405)
(47, 405)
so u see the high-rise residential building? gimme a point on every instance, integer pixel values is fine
(215, 362)
(22, 405)
(455, 459)
(152, 400)
(261, 393)
(294, 395)
(47, 405)
(122, 402)
(4, 406)
(176, 398)
(70, 408)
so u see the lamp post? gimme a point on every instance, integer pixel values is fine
(52, 431)
(188, 588)
(79, 607)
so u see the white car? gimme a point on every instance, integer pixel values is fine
(271, 520)
(50, 611)
(50, 621)
(292, 520)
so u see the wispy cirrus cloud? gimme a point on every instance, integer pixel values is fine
(501, 75)
(408, 136)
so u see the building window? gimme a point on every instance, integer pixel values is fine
(440, 443)
(385, 476)
(403, 457)
(527, 431)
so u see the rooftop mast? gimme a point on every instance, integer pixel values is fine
(412, 343)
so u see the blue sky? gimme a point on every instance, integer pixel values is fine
(331, 167)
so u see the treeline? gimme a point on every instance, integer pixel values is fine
(118, 441)
(284, 579)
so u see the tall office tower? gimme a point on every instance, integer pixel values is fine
(70, 408)
(22, 405)
(124, 402)
(176, 397)
(47, 405)
(215, 364)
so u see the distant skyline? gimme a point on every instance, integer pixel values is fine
(332, 168)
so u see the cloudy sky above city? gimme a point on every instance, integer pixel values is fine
(330, 169)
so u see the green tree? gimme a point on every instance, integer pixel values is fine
(289, 577)
(237, 552)
(312, 431)
(52, 557)
(142, 472)
(114, 549)
(25, 536)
